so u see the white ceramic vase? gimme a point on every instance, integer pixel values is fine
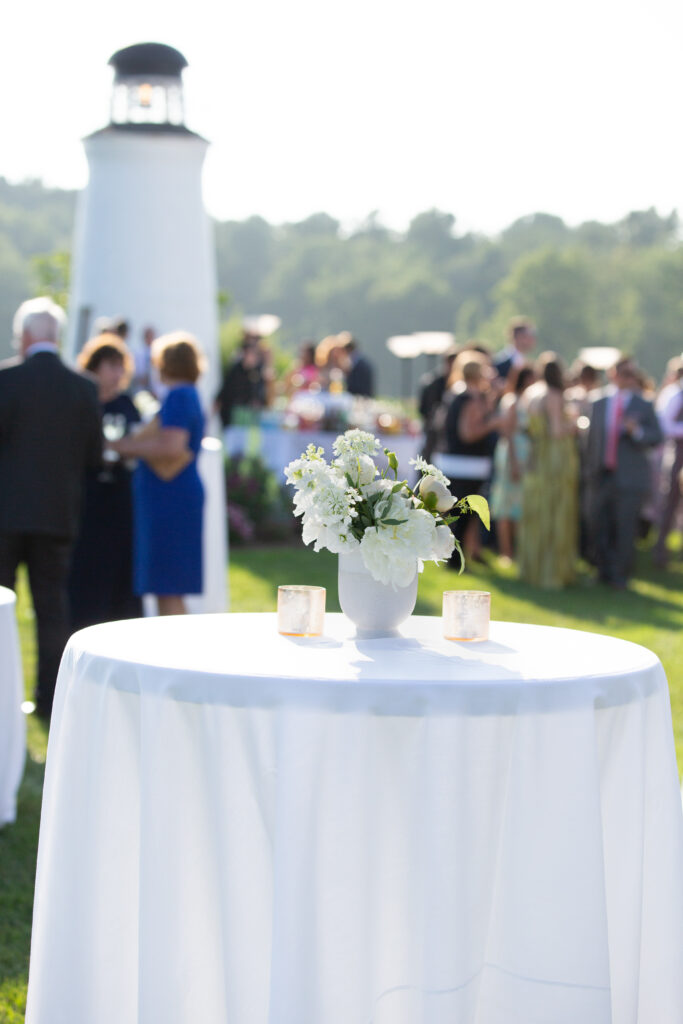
(376, 609)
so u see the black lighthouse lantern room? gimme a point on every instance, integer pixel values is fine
(148, 88)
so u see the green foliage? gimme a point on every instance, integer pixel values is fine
(618, 284)
(53, 274)
(556, 288)
(258, 507)
(229, 337)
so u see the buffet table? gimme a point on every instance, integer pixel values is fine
(12, 721)
(243, 827)
(278, 447)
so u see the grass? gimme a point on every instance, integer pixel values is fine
(649, 613)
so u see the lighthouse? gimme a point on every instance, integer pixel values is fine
(143, 247)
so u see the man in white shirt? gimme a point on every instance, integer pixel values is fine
(522, 335)
(671, 422)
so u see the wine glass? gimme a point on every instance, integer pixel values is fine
(113, 428)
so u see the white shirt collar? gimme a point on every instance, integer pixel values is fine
(514, 355)
(41, 346)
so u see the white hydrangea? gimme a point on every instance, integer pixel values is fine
(427, 469)
(379, 484)
(354, 443)
(361, 468)
(393, 506)
(301, 472)
(392, 554)
(335, 537)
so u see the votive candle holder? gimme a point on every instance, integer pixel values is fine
(466, 614)
(300, 610)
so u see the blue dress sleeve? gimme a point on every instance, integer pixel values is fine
(177, 409)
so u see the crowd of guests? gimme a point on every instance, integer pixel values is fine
(573, 462)
(334, 364)
(95, 529)
(103, 508)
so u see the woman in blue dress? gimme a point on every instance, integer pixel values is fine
(168, 496)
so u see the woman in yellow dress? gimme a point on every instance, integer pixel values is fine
(548, 533)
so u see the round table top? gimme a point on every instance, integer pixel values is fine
(241, 660)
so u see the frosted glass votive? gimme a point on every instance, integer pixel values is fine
(466, 614)
(300, 610)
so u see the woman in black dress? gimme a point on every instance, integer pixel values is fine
(469, 439)
(101, 579)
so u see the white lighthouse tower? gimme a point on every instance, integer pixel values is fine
(143, 247)
(144, 251)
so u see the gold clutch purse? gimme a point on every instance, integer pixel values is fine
(166, 467)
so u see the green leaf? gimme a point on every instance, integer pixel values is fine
(394, 522)
(480, 507)
(430, 500)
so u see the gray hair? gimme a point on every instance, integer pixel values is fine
(40, 318)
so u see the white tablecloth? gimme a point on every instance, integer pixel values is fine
(278, 447)
(12, 722)
(243, 828)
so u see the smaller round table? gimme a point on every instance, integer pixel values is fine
(12, 722)
(244, 827)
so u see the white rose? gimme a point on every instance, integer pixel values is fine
(444, 498)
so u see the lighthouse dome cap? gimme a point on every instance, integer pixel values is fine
(148, 59)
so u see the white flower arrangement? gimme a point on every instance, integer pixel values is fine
(349, 504)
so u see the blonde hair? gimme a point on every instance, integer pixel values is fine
(178, 357)
(468, 366)
(324, 350)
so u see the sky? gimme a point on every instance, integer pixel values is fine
(487, 109)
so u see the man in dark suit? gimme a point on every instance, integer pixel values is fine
(360, 374)
(50, 431)
(623, 426)
(522, 339)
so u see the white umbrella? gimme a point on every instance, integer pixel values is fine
(404, 346)
(264, 324)
(435, 343)
(599, 357)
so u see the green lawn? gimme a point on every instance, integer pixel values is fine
(649, 613)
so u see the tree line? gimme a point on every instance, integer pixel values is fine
(618, 284)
